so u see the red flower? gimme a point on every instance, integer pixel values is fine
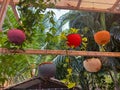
(16, 36)
(74, 40)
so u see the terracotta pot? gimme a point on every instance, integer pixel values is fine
(16, 36)
(102, 37)
(47, 70)
(92, 65)
(74, 40)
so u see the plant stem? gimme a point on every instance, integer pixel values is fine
(102, 18)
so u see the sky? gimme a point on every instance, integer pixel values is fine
(58, 13)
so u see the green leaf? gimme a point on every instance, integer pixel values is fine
(69, 71)
(71, 85)
(73, 30)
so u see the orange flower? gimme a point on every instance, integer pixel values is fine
(102, 37)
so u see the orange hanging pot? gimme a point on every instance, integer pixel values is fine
(102, 37)
(16, 36)
(47, 70)
(92, 65)
(74, 40)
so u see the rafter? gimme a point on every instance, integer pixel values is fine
(77, 5)
(3, 10)
(79, 2)
(14, 1)
(13, 5)
(4, 4)
(87, 9)
(115, 5)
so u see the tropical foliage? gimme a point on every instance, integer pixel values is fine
(89, 23)
(43, 31)
(16, 68)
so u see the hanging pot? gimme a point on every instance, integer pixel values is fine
(47, 70)
(92, 65)
(74, 40)
(16, 36)
(102, 37)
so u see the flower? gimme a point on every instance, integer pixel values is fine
(102, 37)
(92, 64)
(74, 40)
(16, 36)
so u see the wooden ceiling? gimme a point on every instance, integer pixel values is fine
(3, 9)
(109, 6)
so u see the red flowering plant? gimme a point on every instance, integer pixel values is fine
(15, 39)
(73, 39)
(16, 36)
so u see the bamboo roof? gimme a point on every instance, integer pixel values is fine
(111, 6)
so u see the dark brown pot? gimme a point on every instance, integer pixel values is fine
(46, 70)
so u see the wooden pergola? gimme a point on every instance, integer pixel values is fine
(108, 6)
(111, 6)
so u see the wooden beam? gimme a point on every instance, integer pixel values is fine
(115, 4)
(79, 2)
(87, 9)
(60, 52)
(13, 5)
(3, 11)
(15, 1)
(111, 10)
